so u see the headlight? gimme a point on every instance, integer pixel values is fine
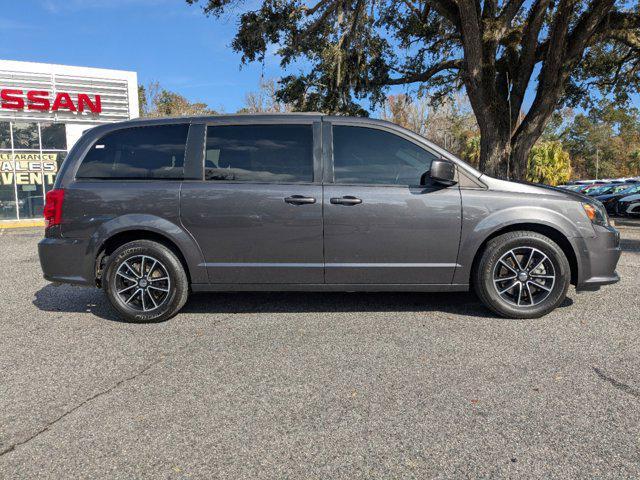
(596, 213)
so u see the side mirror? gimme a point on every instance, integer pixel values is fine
(443, 172)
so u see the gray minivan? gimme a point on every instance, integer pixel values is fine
(152, 209)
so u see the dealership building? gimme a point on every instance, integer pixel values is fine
(44, 109)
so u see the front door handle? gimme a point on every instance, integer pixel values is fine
(300, 200)
(347, 200)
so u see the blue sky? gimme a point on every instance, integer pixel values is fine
(164, 40)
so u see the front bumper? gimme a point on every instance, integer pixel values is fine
(598, 259)
(66, 261)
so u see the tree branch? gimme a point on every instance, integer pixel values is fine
(614, 21)
(316, 7)
(448, 9)
(586, 27)
(427, 74)
(471, 39)
(551, 79)
(413, 9)
(628, 39)
(490, 9)
(320, 21)
(509, 11)
(527, 61)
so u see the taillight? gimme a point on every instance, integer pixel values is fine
(53, 207)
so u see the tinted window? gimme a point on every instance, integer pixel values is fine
(371, 156)
(143, 152)
(260, 153)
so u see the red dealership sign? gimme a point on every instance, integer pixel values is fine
(43, 101)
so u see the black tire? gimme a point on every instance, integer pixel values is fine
(160, 299)
(492, 261)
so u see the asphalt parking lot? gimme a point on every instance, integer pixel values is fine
(302, 385)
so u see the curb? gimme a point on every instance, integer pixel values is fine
(7, 224)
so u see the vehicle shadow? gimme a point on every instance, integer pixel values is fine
(66, 298)
(72, 299)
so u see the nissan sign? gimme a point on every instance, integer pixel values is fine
(44, 101)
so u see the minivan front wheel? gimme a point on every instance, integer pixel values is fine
(145, 282)
(522, 275)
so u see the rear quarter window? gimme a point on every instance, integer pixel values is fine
(154, 152)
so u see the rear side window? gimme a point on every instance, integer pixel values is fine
(260, 153)
(370, 156)
(140, 152)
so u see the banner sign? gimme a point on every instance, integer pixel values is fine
(28, 168)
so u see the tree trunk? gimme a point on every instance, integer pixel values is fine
(520, 155)
(495, 147)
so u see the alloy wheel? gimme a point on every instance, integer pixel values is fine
(142, 283)
(524, 276)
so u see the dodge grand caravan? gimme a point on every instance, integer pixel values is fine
(150, 210)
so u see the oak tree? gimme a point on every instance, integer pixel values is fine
(557, 52)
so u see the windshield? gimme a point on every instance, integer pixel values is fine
(620, 188)
(630, 190)
(601, 190)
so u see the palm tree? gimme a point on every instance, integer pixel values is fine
(549, 164)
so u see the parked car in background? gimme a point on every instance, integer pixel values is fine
(586, 188)
(585, 182)
(590, 188)
(610, 188)
(153, 209)
(571, 188)
(629, 206)
(610, 200)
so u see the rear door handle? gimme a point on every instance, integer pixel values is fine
(347, 200)
(300, 200)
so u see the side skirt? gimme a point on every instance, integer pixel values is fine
(320, 287)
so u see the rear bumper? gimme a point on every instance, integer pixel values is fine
(66, 261)
(598, 259)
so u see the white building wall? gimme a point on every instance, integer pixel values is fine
(118, 90)
(23, 180)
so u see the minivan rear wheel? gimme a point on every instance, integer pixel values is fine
(522, 274)
(145, 282)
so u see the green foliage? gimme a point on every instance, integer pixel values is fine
(471, 152)
(549, 164)
(356, 48)
(604, 142)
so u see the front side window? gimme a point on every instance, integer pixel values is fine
(155, 152)
(370, 156)
(260, 153)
